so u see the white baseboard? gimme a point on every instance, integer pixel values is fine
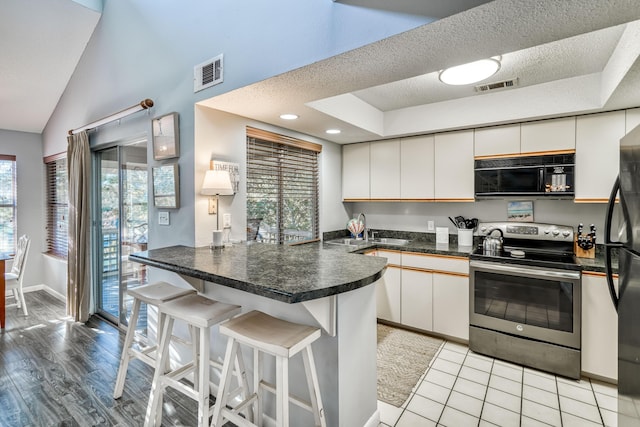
(374, 421)
(47, 289)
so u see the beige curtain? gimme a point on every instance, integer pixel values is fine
(78, 261)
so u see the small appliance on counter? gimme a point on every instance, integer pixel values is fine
(585, 244)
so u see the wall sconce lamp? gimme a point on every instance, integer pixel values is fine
(216, 183)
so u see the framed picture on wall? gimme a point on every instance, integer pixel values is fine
(166, 186)
(166, 137)
(520, 211)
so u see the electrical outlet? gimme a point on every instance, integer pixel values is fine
(226, 220)
(163, 218)
(431, 226)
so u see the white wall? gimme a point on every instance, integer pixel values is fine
(222, 136)
(27, 147)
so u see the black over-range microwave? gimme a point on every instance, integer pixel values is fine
(548, 175)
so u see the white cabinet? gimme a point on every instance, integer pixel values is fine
(416, 168)
(417, 299)
(497, 141)
(632, 119)
(385, 169)
(548, 135)
(597, 155)
(355, 171)
(599, 328)
(388, 295)
(454, 166)
(451, 305)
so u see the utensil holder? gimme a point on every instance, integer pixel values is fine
(465, 237)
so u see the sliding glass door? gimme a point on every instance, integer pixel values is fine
(121, 227)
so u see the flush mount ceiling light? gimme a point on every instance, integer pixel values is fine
(333, 131)
(288, 116)
(472, 72)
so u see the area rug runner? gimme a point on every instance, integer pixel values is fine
(403, 356)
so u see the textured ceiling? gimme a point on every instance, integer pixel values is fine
(565, 64)
(41, 42)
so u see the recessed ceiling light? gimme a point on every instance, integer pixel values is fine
(472, 72)
(288, 116)
(333, 131)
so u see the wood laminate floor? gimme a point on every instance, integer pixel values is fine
(56, 372)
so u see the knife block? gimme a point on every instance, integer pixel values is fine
(583, 253)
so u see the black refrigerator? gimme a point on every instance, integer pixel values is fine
(627, 300)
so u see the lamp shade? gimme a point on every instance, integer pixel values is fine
(217, 182)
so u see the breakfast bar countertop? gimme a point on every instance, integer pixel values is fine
(290, 274)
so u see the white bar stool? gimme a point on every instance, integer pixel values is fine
(282, 339)
(153, 294)
(200, 313)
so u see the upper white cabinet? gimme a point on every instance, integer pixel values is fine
(454, 166)
(385, 169)
(632, 119)
(416, 168)
(597, 154)
(548, 135)
(355, 171)
(497, 141)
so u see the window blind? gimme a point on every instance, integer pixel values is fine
(282, 189)
(57, 207)
(7, 203)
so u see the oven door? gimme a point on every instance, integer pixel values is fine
(537, 303)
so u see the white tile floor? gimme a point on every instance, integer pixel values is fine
(462, 388)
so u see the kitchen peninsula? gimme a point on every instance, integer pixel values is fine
(304, 284)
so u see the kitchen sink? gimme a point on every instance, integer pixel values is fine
(390, 241)
(349, 242)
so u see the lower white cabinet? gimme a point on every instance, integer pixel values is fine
(417, 299)
(451, 311)
(388, 295)
(599, 328)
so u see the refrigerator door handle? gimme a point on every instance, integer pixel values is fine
(609, 245)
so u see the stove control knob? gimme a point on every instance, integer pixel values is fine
(566, 233)
(547, 231)
(483, 229)
(556, 232)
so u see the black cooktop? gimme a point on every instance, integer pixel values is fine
(532, 258)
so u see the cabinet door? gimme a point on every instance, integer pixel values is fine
(599, 328)
(497, 141)
(633, 119)
(355, 171)
(416, 168)
(597, 155)
(454, 166)
(451, 305)
(417, 299)
(385, 169)
(388, 295)
(548, 135)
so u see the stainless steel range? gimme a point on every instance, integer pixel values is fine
(524, 296)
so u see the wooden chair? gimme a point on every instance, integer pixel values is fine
(13, 279)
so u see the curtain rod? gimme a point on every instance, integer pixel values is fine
(143, 105)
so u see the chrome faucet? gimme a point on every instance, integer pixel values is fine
(364, 221)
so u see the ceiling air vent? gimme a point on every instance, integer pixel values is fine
(207, 74)
(505, 84)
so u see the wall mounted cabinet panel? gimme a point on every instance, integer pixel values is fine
(355, 171)
(385, 169)
(417, 168)
(497, 141)
(597, 155)
(454, 166)
(548, 135)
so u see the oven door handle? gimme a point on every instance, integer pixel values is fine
(502, 268)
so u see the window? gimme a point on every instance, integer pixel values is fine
(282, 187)
(57, 206)
(7, 203)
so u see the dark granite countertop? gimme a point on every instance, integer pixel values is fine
(285, 273)
(428, 246)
